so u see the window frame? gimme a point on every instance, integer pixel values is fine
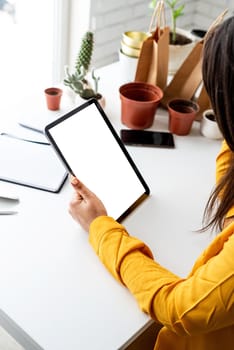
(61, 32)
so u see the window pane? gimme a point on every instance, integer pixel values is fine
(26, 39)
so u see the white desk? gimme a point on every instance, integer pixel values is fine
(53, 285)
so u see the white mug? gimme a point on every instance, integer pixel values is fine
(209, 127)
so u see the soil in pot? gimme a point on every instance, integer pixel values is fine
(211, 117)
(139, 102)
(180, 39)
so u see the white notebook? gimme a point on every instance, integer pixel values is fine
(30, 164)
(39, 118)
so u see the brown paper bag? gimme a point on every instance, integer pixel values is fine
(152, 64)
(188, 78)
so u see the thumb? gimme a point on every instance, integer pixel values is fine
(80, 188)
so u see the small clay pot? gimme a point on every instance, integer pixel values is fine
(182, 113)
(209, 127)
(53, 98)
(139, 102)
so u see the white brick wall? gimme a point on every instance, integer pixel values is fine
(206, 11)
(110, 18)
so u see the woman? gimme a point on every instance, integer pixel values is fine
(197, 312)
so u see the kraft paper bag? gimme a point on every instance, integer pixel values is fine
(152, 64)
(188, 78)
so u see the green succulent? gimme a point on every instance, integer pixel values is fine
(79, 84)
(77, 81)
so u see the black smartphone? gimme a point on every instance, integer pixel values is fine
(147, 138)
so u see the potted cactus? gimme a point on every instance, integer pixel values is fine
(78, 81)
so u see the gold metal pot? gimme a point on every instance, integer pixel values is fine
(129, 51)
(134, 39)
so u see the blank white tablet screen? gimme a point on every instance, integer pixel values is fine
(97, 159)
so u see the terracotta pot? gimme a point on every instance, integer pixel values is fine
(209, 127)
(53, 98)
(139, 102)
(182, 113)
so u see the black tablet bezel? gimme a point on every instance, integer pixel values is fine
(118, 140)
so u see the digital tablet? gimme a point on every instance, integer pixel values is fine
(91, 150)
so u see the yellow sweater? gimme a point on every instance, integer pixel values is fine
(197, 312)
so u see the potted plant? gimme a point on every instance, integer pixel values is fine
(78, 81)
(181, 41)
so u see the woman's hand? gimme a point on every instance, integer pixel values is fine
(85, 205)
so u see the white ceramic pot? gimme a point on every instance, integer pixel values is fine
(128, 67)
(209, 127)
(178, 53)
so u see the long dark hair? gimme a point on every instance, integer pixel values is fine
(218, 77)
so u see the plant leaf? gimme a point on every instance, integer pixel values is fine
(179, 11)
(152, 4)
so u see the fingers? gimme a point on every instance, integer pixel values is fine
(80, 188)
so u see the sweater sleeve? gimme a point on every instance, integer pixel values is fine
(203, 302)
(222, 162)
(111, 243)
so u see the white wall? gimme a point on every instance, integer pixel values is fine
(110, 18)
(78, 24)
(207, 11)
